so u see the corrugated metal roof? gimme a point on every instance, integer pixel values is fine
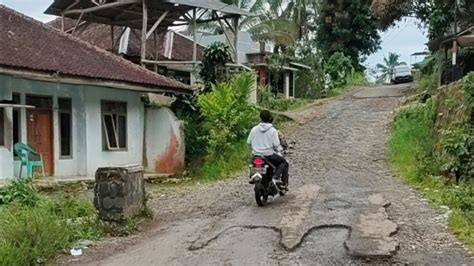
(130, 13)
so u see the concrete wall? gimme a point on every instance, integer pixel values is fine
(86, 126)
(164, 139)
(96, 156)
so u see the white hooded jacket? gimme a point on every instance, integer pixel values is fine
(264, 140)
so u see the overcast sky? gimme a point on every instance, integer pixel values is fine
(405, 38)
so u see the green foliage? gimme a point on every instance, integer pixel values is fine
(338, 67)
(428, 82)
(196, 135)
(455, 147)
(33, 234)
(412, 154)
(455, 128)
(212, 67)
(30, 235)
(227, 114)
(357, 78)
(436, 15)
(124, 228)
(277, 61)
(230, 161)
(412, 140)
(462, 228)
(268, 100)
(20, 190)
(347, 27)
(309, 82)
(281, 31)
(387, 69)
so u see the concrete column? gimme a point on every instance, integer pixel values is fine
(294, 84)
(6, 151)
(253, 93)
(286, 84)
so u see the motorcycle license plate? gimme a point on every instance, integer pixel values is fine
(260, 170)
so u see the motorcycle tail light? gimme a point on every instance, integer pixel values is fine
(258, 162)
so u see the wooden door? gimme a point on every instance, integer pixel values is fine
(40, 136)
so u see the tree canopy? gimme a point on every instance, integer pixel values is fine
(347, 27)
(436, 15)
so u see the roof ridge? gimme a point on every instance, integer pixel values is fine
(87, 44)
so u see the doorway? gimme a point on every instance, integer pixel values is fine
(40, 129)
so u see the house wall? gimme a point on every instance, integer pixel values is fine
(87, 153)
(96, 156)
(164, 139)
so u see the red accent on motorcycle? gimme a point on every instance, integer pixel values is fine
(258, 162)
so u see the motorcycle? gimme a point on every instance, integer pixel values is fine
(261, 175)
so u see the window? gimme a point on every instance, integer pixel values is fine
(114, 125)
(65, 127)
(16, 119)
(2, 127)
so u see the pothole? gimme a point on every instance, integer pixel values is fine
(337, 204)
(324, 246)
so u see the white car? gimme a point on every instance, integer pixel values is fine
(401, 74)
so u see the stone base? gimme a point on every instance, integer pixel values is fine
(119, 192)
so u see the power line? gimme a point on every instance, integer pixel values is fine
(396, 35)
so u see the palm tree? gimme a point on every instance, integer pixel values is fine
(282, 22)
(388, 68)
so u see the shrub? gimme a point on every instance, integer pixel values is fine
(279, 103)
(338, 67)
(414, 153)
(19, 190)
(214, 58)
(412, 141)
(227, 114)
(33, 227)
(232, 159)
(357, 78)
(30, 235)
(454, 146)
(187, 109)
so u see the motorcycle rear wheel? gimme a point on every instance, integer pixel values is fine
(260, 196)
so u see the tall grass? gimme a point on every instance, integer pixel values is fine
(229, 162)
(34, 227)
(411, 155)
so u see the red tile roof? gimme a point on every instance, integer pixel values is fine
(29, 44)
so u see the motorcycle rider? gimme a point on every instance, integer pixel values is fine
(265, 141)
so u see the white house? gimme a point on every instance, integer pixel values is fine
(80, 106)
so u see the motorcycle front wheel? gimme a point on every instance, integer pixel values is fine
(260, 196)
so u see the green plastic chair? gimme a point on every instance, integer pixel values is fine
(29, 158)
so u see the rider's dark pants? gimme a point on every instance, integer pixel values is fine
(281, 167)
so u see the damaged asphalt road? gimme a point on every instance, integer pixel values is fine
(344, 206)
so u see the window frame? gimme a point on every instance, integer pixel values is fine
(71, 141)
(105, 112)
